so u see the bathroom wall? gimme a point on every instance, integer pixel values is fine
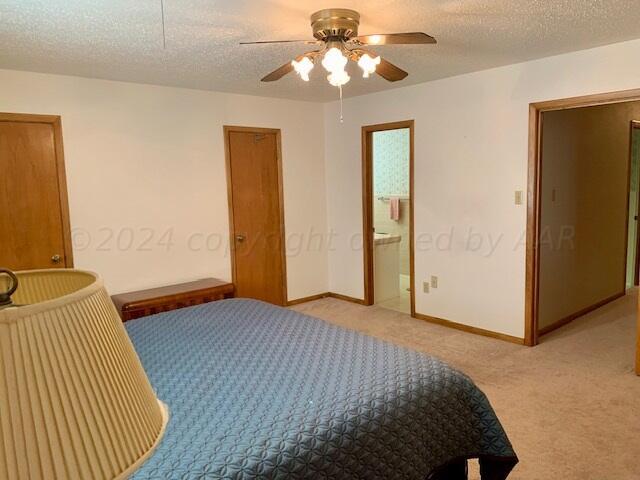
(391, 162)
(384, 224)
(391, 178)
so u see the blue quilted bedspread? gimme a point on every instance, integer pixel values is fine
(257, 391)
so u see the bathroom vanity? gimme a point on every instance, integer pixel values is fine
(386, 266)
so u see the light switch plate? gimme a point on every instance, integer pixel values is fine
(425, 287)
(518, 197)
(434, 281)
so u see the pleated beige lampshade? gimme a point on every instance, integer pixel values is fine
(75, 402)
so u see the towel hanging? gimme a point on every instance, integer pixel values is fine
(394, 209)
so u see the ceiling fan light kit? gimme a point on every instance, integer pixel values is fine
(334, 62)
(336, 33)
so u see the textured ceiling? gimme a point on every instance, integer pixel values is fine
(122, 39)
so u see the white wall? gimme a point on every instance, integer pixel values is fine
(150, 160)
(471, 136)
(142, 156)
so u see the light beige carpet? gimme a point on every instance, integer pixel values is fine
(571, 406)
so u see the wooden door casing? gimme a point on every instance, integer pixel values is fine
(367, 207)
(34, 225)
(254, 176)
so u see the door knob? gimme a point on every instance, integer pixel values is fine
(56, 258)
(240, 238)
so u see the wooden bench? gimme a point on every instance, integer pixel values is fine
(163, 299)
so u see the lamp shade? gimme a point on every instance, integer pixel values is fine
(75, 402)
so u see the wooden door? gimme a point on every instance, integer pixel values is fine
(256, 213)
(34, 227)
(634, 160)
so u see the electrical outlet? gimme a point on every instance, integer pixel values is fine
(434, 281)
(518, 197)
(425, 287)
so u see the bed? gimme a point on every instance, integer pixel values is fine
(258, 391)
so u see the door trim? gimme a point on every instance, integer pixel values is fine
(56, 122)
(227, 129)
(635, 125)
(532, 275)
(367, 207)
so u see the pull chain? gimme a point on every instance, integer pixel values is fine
(341, 118)
(164, 36)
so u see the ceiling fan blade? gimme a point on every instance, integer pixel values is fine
(278, 73)
(389, 71)
(411, 38)
(263, 42)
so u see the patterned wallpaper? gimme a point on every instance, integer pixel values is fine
(391, 162)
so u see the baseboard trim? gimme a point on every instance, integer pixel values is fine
(570, 318)
(469, 329)
(420, 316)
(320, 296)
(310, 298)
(346, 298)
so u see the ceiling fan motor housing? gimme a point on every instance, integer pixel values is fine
(335, 23)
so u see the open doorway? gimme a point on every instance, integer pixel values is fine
(582, 248)
(633, 239)
(388, 215)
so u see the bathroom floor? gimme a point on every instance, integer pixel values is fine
(402, 303)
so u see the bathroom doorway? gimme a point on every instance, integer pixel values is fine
(388, 215)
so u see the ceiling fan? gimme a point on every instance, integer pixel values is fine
(336, 33)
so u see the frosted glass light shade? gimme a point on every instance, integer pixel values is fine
(303, 67)
(337, 79)
(334, 61)
(368, 64)
(75, 402)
